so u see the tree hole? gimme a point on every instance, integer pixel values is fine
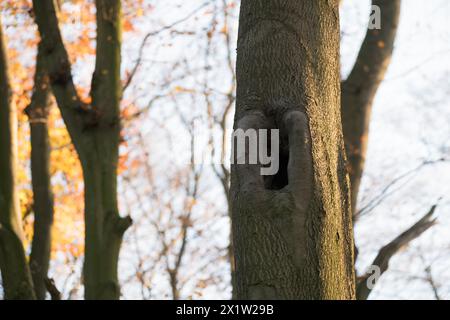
(280, 179)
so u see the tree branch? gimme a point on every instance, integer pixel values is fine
(59, 69)
(429, 278)
(55, 294)
(376, 50)
(389, 250)
(359, 89)
(138, 62)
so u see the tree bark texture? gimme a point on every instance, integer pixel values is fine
(292, 232)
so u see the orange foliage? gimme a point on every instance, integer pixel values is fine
(77, 22)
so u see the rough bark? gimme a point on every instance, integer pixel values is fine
(94, 130)
(17, 283)
(292, 232)
(359, 89)
(37, 112)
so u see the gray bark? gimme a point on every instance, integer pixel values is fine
(292, 233)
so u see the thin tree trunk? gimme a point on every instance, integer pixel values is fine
(38, 112)
(17, 283)
(94, 130)
(359, 89)
(292, 233)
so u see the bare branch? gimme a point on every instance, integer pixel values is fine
(154, 33)
(388, 189)
(359, 89)
(52, 289)
(389, 250)
(429, 278)
(59, 68)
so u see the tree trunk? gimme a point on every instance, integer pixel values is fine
(292, 232)
(359, 89)
(104, 227)
(17, 283)
(95, 132)
(37, 112)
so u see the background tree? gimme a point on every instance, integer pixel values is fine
(95, 132)
(14, 268)
(358, 92)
